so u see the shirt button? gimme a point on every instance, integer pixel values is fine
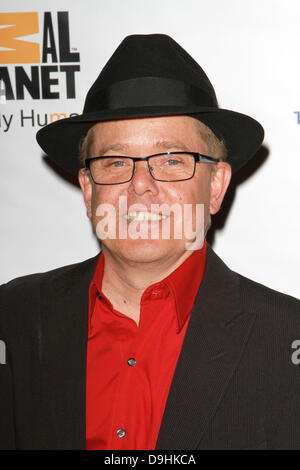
(98, 295)
(121, 432)
(131, 362)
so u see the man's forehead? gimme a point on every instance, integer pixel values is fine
(162, 130)
(163, 133)
(160, 144)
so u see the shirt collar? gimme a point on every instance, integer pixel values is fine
(183, 284)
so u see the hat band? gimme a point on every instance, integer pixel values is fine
(147, 91)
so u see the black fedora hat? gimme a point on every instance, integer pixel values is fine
(151, 75)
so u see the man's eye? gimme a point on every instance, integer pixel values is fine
(114, 163)
(173, 162)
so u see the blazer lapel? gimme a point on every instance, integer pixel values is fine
(216, 335)
(63, 354)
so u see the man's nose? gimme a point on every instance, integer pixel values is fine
(142, 180)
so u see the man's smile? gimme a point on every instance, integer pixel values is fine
(141, 216)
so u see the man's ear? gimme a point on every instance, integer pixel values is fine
(86, 188)
(220, 179)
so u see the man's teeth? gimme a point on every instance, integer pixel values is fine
(140, 216)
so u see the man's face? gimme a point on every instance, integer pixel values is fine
(142, 137)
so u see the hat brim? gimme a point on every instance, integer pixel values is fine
(242, 134)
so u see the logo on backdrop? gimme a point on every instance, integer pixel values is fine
(297, 116)
(44, 70)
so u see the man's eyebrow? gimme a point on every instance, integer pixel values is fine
(159, 144)
(168, 144)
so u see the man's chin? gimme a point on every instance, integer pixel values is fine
(142, 251)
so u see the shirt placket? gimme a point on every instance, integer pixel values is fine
(131, 357)
(119, 428)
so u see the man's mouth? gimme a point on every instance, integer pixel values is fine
(141, 216)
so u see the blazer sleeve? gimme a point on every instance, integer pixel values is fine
(7, 434)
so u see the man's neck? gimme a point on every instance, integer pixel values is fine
(124, 281)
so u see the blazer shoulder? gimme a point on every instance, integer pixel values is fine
(266, 300)
(21, 299)
(30, 281)
(253, 294)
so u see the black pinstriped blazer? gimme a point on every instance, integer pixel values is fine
(235, 384)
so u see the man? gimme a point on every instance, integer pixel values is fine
(154, 343)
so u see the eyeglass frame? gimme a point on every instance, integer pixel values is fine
(198, 158)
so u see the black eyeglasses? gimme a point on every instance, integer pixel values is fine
(167, 167)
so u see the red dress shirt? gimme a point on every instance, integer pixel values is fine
(129, 367)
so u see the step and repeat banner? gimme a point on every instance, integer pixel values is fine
(51, 53)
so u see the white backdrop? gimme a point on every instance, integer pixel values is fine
(250, 51)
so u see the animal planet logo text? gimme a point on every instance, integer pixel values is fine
(37, 81)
